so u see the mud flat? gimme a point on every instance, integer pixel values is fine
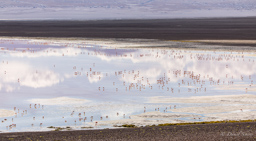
(222, 99)
(148, 119)
(226, 107)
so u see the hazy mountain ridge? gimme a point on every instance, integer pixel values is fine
(124, 9)
(149, 4)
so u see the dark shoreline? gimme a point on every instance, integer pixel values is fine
(163, 29)
(199, 132)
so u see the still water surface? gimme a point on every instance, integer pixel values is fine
(102, 81)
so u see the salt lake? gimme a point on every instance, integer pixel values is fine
(94, 85)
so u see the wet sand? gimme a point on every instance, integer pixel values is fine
(200, 132)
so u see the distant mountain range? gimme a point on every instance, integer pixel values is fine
(151, 4)
(119, 8)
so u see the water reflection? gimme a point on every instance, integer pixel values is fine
(110, 80)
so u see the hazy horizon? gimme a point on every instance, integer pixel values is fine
(123, 9)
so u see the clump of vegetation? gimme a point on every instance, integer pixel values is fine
(125, 125)
(129, 125)
(86, 127)
(59, 128)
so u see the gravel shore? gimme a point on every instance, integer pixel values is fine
(198, 132)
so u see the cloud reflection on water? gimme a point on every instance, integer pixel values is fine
(16, 74)
(114, 80)
(151, 64)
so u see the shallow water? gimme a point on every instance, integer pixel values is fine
(102, 81)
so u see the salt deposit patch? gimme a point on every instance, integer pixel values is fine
(225, 99)
(241, 115)
(228, 41)
(6, 113)
(149, 118)
(245, 87)
(216, 109)
(59, 101)
(227, 107)
(158, 115)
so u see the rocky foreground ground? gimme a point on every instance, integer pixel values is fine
(198, 132)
